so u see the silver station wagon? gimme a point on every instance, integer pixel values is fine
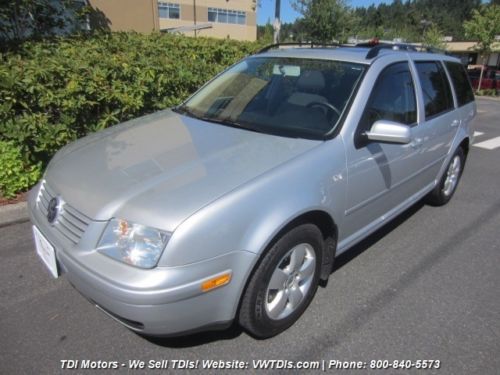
(233, 205)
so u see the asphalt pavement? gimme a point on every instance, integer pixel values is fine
(425, 287)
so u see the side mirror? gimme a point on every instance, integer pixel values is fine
(389, 131)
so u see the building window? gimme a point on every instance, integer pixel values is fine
(169, 10)
(226, 16)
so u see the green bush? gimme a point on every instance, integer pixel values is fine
(53, 92)
(15, 174)
(487, 92)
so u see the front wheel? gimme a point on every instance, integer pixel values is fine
(446, 187)
(284, 283)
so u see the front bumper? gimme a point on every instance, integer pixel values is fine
(159, 301)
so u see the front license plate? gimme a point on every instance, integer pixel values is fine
(46, 251)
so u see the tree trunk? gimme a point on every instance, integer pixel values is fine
(480, 78)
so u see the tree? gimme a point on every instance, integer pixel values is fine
(21, 19)
(483, 27)
(325, 20)
(403, 19)
(433, 37)
(265, 33)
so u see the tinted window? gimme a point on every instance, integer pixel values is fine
(393, 98)
(435, 87)
(461, 83)
(473, 73)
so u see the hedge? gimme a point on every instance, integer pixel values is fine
(53, 92)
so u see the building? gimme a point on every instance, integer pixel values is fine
(466, 51)
(234, 19)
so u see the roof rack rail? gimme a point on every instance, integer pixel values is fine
(374, 45)
(376, 48)
(432, 49)
(299, 44)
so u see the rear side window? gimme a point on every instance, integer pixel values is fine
(461, 83)
(392, 98)
(435, 87)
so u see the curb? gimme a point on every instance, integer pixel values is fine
(13, 213)
(492, 98)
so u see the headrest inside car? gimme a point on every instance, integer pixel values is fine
(311, 81)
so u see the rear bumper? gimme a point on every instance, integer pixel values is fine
(160, 301)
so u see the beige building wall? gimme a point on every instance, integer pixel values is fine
(125, 15)
(468, 48)
(143, 16)
(460, 46)
(218, 30)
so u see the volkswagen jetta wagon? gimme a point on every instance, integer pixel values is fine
(233, 205)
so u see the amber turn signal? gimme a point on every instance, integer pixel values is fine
(216, 282)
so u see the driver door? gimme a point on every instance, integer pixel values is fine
(382, 175)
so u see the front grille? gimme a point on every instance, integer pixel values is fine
(70, 222)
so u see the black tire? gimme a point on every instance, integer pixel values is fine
(258, 296)
(440, 195)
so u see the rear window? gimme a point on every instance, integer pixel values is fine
(461, 83)
(473, 73)
(435, 87)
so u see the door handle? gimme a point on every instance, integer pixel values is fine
(416, 143)
(455, 123)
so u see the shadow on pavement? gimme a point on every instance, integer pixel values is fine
(196, 339)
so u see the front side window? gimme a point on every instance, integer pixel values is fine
(392, 98)
(461, 83)
(435, 87)
(169, 10)
(284, 96)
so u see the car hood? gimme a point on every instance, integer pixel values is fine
(160, 169)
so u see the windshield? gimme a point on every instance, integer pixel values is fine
(284, 96)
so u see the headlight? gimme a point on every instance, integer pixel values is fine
(133, 243)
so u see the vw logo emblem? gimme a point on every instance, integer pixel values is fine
(52, 209)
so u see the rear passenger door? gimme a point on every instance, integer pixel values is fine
(463, 92)
(441, 121)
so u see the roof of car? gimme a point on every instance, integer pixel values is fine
(347, 53)
(352, 54)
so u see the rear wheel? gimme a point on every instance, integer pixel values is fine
(443, 191)
(284, 283)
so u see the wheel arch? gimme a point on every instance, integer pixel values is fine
(325, 223)
(465, 145)
(328, 228)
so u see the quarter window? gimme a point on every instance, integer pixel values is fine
(169, 10)
(435, 88)
(461, 83)
(226, 16)
(393, 98)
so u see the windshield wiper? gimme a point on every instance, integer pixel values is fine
(232, 124)
(184, 110)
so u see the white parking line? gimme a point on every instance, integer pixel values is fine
(490, 144)
(477, 134)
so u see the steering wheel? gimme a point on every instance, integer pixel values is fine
(329, 107)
